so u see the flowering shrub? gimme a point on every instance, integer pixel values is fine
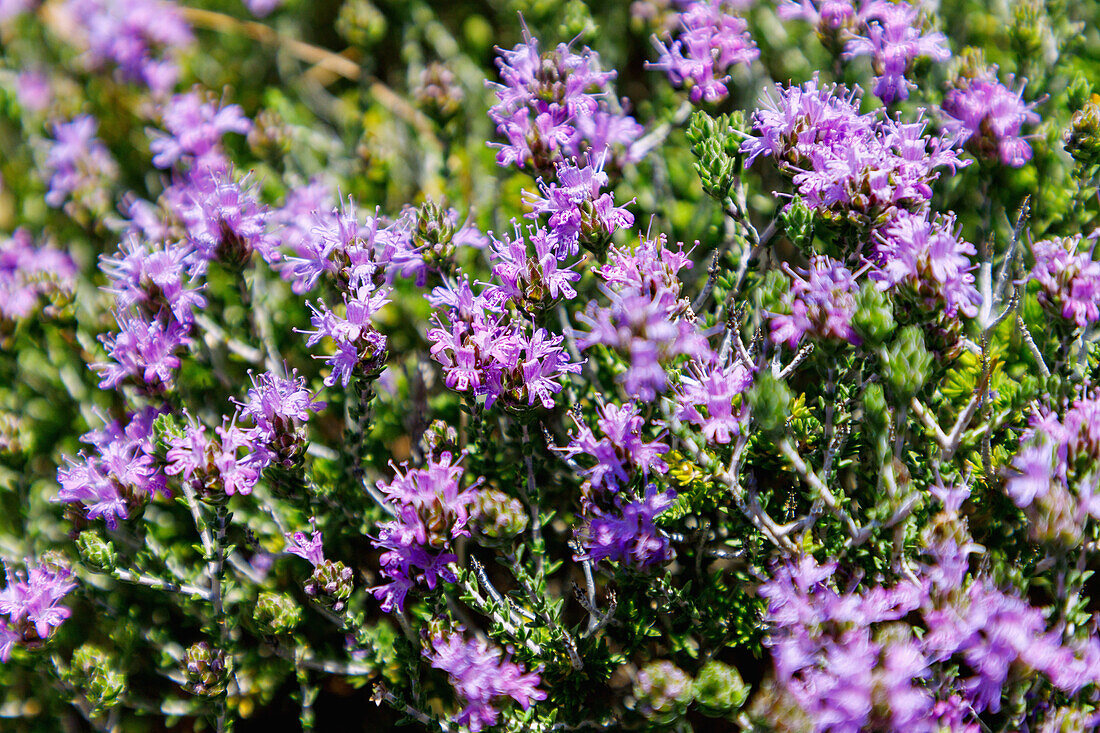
(672, 364)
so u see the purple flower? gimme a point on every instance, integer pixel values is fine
(536, 281)
(1069, 281)
(212, 465)
(28, 273)
(543, 101)
(791, 127)
(480, 677)
(309, 548)
(646, 317)
(483, 353)
(131, 35)
(359, 347)
(10, 9)
(708, 397)
(620, 452)
(989, 117)
(143, 351)
(262, 8)
(33, 90)
(118, 474)
(848, 164)
(628, 534)
(822, 303)
(224, 220)
(711, 41)
(930, 257)
(152, 279)
(79, 164)
(430, 509)
(278, 408)
(579, 212)
(196, 126)
(353, 251)
(29, 600)
(893, 38)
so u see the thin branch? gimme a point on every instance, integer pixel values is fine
(791, 454)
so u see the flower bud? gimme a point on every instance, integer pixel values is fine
(770, 400)
(906, 363)
(874, 318)
(206, 669)
(1083, 135)
(719, 689)
(331, 584)
(276, 613)
(95, 552)
(498, 517)
(663, 691)
(93, 673)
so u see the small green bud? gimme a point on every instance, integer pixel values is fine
(497, 516)
(206, 669)
(719, 689)
(770, 400)
(1078, 91)
(798, 223)
(874, 316)
(276, 613)
(717, 148)
(361, 22)
(875, 412)
(1083, 135)
(663, 691)
(906, 363)
(95, 552)
(93, 673)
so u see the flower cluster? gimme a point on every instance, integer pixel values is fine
(846, 164)
(712, 40)
(551, 108)
(278, 408)
(989, 117)
(133, 36)
(331, 582)
(620, 452)
(79, 164)
(1069, 281)
(849, 662)
(213, 466)
(30, 603)
(535, 281)
(892, 35)
(195, 126)
(709, 396)
(337, 243)
(115, 480)
(628, 533)
(429, 509)
(29, 273)
(580, 214)
(481, 677)
(646, 319)
(929, 257)
(1060, 456)
(822, 303)
(485, 353)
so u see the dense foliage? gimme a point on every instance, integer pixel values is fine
(549, 366)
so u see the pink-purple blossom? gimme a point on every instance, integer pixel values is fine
(482, 676)
(711, 41)
(990, 118)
